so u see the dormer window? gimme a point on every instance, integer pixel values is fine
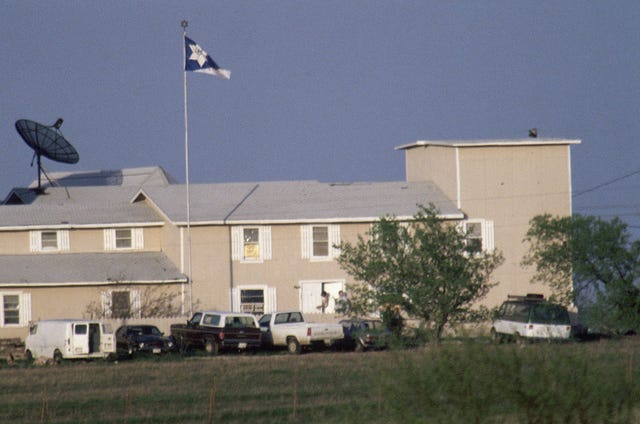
(49, 240)
(123, 239)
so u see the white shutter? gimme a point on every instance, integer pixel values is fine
(334, 240)
(270, 300)
(265, 243)
(487, 236)
(237, 243)
(235, 299)
(306, 236)
(137, 235)
(63, 240)
(109, 239)
(35, 241)
(106, 304)
(136, 303)
(25, 309)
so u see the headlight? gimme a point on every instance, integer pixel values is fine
(141, 345)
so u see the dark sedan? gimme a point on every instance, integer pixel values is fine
(142, 338)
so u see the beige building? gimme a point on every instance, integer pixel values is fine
(120, 243)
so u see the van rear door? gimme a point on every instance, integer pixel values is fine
(80, 340)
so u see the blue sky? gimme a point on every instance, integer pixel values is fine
(324, 90)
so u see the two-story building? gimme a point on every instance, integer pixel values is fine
(123, 243)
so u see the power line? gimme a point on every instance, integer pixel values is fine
(599, 186)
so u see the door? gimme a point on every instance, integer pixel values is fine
(80, 342)
(94, 337)
(311, 296)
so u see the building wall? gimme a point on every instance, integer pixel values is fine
(14, 243)
(210, 260)
(215, 274)
(508, 185)
(433, 163)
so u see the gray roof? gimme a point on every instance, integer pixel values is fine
(78, 206)
(87, 269)
(298, 201)
(114, 202)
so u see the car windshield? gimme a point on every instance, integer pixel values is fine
(548, 313)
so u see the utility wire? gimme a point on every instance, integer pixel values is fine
(599, 186)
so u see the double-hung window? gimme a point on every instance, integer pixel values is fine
(319, 241)
(251, 243)
(15, 309)
(254, 299)
(123, 238)
(121, 303)
(479, 235)
(49, 240)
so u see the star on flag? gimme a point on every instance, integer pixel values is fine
(197, 60)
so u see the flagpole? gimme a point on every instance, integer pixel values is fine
(184, 25)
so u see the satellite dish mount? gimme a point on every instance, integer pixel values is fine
(47, 141)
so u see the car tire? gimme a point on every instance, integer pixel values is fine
(28, 356)
(211, 347)
(57, 356)
(293, 346)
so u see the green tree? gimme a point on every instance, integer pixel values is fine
(425, 267)
(590, 262)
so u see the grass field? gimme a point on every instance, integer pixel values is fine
(455, 382)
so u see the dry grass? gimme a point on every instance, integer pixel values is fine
(593, 382)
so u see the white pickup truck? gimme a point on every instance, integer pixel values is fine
(290, 329)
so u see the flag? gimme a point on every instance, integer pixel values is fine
(197, 60)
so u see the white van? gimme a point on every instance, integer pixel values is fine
(70, 339)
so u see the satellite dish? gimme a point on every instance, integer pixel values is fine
(46, 141)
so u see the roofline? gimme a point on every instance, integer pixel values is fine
(490, 143)
(74, 226)
(142, 194)
(90, 283)
(308, 221)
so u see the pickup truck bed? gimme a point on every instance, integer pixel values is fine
(290, 329)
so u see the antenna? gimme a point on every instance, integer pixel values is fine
(46, 141)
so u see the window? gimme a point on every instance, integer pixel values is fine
(251, 244)
(319, 241)
(49, 240)
(123, 238)
(15, 309)
(121, 304)
(213, 320)
(474, 237)
(479, 235)
(254, 299)
(11, 308)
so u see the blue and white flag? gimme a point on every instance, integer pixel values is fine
(197, 60)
